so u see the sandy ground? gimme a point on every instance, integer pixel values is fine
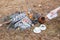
(8, 7)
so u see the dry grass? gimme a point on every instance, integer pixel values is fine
(8, 7)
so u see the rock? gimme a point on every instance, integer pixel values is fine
(0, 25)
(39, 5)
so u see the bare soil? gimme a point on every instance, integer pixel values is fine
(7, 7)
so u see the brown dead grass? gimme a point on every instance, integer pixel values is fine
(8, 7)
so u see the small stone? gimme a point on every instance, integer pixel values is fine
(39, 5)
(0, 25)
(18, 28)
(28, 12)
(32, 24)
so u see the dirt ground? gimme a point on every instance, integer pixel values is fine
(7, 7)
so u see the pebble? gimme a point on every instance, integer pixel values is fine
(0, 25)
(39, 5)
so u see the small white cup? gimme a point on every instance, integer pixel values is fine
(42, 27)
(36, 30)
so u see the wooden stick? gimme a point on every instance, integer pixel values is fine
(5, 23)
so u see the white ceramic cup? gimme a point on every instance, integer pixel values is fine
(36, 30)
(42, 27)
